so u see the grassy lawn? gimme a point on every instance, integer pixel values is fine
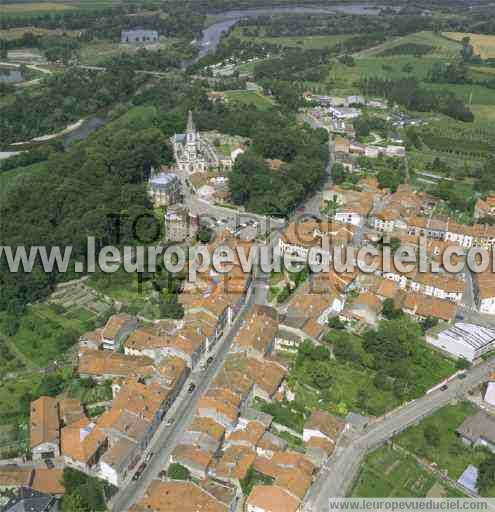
(450, 453)
(249, 98)
(389, 473)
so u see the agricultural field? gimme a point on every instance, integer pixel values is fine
(441, 46)
(16, 33)
(387, 472)
(47, 332)
(35, 7)
(483, 45)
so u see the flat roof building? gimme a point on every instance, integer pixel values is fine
(465, 340)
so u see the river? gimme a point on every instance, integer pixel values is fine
(211, 35)
(85, 130)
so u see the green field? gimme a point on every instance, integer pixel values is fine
(307, 42)
(389, 473)
(442, 47)
(249, 98)
(34, 7)
(96, 53)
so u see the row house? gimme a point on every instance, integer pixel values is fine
(102, 365)
(299, 238)
(204, 433)
(196, 460)
(146, 342)
(478, 235)
(484, 291)
(257, 332)
(45, 428)
(117, 330)
(178, 496)
(220, 405)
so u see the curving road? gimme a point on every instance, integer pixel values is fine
(337, 477)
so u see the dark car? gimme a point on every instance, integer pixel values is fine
(191, 388)
(139, 471)
(444, 387)
(209, 360)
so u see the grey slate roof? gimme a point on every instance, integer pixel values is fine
(479, 426)
(29, 500)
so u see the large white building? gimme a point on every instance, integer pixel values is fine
(463, 340)
(191, 153)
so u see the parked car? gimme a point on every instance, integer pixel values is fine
(49, 463)
(139, 471)
(170, 421)
(444, 387)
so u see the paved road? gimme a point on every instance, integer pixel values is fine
(336, 478)
(183, 411)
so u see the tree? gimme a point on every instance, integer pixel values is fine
(335, 322)
(432, 435)
(177, 471)
(205, 234)
(320, 375)
(382, 381)
(389, 311)
(73, 503)
(486, 475)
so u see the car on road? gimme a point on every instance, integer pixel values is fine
(49, 463)
(191, 388)
(170, 421)
(209, 360)
(444, 387)
(148, 457)
(462, 376)
(139, 471)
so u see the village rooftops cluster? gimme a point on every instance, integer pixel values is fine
(227, 438)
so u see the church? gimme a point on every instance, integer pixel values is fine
(191, 153)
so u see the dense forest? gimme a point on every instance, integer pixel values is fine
(87, 187)
(65, 98)
(275, 136)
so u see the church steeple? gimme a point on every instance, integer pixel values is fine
(190, 124)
